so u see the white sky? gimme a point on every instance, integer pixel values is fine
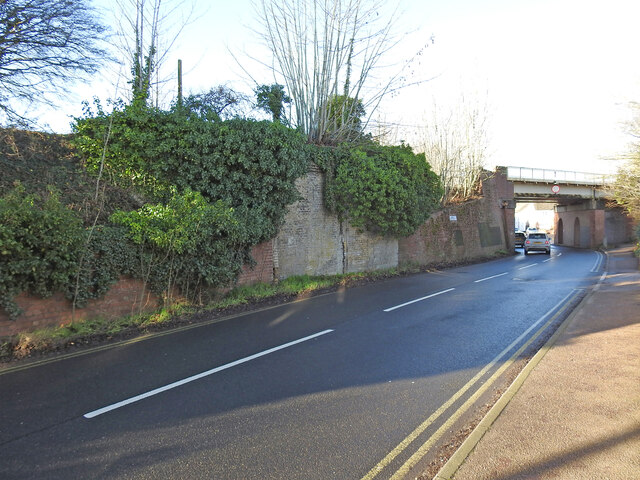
(558, 74)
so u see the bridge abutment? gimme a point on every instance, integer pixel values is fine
(580, 225)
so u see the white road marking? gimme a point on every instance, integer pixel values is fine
(492, 276)
(418, 300)
(600, 280)
(528, 266)
(156, 391)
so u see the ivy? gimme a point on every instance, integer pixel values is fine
(250, 165)
(40, 241)
(386, 190)
(109, 256)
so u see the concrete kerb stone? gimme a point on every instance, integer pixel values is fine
(450, 468)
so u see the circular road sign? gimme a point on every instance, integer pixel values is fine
(555, 188)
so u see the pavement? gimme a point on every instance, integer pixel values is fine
(574, 411)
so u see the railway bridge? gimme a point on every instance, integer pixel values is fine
(584, 214)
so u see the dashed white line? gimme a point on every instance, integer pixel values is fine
(179, 383)
(492, 276)
(418, 300)
(528, 266)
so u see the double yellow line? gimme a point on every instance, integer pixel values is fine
(429, 443)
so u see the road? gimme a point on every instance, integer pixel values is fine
(350, 385)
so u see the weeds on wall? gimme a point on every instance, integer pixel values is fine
(177, 199)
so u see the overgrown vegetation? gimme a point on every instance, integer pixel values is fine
(386, 190)
(178, 200)
(178, 197)
(39, 242)
(186, 243)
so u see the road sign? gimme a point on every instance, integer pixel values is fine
(555, 188)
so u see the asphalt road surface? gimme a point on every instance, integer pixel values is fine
(350, 385)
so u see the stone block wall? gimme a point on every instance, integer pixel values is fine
(313, 241)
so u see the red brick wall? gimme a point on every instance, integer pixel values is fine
(263, 271)
(124, 298)
(456, 232)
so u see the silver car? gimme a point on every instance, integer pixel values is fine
(537, 242)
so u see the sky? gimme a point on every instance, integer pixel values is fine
(557, 75)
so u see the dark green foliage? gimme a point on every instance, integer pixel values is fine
(386, 190)
(108, 256)
(250, 165)
(209, 191)
(271, 99)
(122, 146)
(243, 165)
(40, 241)
(188, 243)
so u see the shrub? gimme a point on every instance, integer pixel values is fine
(108, 256)
(40, 243)
(250, 165)
(386, 190)
(187, 243)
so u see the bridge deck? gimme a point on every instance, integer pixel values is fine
(539, 175)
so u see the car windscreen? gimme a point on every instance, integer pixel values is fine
(537, 235)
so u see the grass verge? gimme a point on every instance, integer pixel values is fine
(101, 330)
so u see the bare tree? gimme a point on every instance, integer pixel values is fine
(44, 45)
(219, 103)
(626, 187)
(455, 142)
(147, 31)
(326, 51)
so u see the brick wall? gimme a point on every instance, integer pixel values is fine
(619, 227)
(312, 241)
(125, 297)
(263, 270)
(474, 229)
